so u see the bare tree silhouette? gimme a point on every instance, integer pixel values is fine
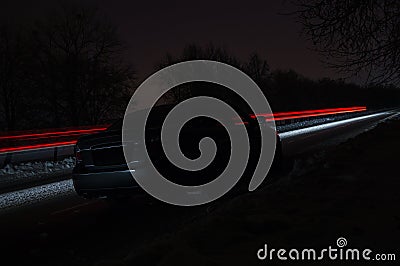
(195, 52)
(355, 36)
(256, 67)
(79, 66)
(12, 78)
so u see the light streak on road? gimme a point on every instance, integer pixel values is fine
(53, 134)
(313, 129)
(73, 134)
(63, 189)
(38, 146)
(309, 113)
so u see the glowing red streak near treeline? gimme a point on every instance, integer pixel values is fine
(38, 146)
(304, 114)
(77, 132)
(53, 134)
(308, 113)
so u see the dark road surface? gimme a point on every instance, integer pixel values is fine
(65, 229)
(51, 225)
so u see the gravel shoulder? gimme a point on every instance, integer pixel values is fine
(29, 174)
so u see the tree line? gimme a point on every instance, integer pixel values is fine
(67, 69)
(286, 90)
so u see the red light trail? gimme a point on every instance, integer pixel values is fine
(37, 146)
(53, 134)
(304, 114)
(309, 113)
(279, 116)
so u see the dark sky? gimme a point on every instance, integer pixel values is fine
(151, 29)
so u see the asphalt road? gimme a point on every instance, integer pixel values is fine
(60, 228)
(51, 225)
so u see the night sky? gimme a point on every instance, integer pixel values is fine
(150, 30)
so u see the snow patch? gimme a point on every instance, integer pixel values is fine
(29, 169)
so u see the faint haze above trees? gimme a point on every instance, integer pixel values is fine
(355, 37)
